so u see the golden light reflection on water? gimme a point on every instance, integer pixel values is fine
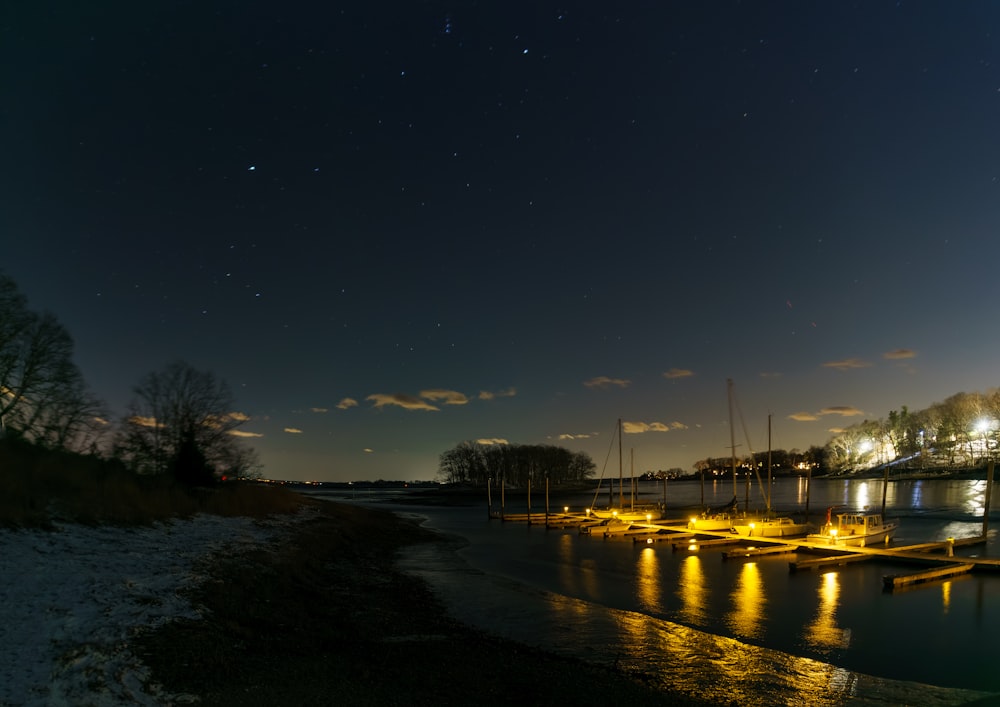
(946, 596)
(823, 633)
(576, 574)
(692, 590)
(719, 670)
(749, 601)
(648, 580)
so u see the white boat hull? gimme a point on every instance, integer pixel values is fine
(856, 529)
(720, 524)
(626, 516)
(772, 528)
(856, 540)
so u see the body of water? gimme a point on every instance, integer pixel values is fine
(736, 631)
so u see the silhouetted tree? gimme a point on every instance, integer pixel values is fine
(42, 393)
(179, 411)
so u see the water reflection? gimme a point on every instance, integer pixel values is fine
(692, 590)
(648, 581)
(823, 633)
(747, 617)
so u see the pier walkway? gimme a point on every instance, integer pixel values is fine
(939, 556)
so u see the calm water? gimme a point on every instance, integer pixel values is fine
(743, 631)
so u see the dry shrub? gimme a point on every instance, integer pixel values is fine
(38, 486)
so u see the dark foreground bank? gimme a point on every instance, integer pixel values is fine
(324, 618)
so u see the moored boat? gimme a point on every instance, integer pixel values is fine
(857, 528)
(638, 514)
(720, 519)
(771, 528)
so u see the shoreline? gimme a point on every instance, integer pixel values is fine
(325, 615)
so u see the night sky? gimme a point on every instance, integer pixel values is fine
(392, 227)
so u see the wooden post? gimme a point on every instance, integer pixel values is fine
(546, 501)
(989, 495)
(529, 499)
(808, 484)
(885, 487)
(502, 484)
(489, 498)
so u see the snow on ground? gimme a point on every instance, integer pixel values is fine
(71, 600)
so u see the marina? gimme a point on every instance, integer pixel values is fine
(854, 537)
(761, 632)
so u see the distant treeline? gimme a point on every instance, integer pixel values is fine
(513, 464)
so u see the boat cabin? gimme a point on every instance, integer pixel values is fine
(858, 523)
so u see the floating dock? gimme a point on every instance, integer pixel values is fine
(939, 555)
(895, 581)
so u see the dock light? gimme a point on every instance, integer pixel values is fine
(587, 512)
(693, 518)
(566, 509)
(649, 541)
(649, 517)
(833, 532)
(614, 514)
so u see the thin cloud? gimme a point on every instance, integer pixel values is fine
(678, 373)
(407, 402)
(842, 410)
(293, 430)
(243, 433)
(635, 428)
(490, 395)
(567, 436)
(491, 441)
(605, 382)
(143, 421)
(898, 354)
(847, 364)
(803, 416)
(368, 450)
(319, 410)
(347, 403)
(449, 397)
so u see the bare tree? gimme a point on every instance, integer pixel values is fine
(183, 416)
(43, 397)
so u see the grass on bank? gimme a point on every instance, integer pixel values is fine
(38, 486)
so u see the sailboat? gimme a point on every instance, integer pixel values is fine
(723, 518)
(632, 514)
(768, 526)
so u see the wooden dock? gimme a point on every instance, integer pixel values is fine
(757, 551)
(938, 556)
(895, 581)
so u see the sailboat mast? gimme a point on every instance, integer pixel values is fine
(631, 475)
(621, 479)
(732, 436)
(767, 496)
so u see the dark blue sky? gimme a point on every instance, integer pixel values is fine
(393, 227)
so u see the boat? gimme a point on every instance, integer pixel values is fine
(769, 526)
(782, 527)
(620, 513)
(855, 528)
(718, 519)
(627, 515)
